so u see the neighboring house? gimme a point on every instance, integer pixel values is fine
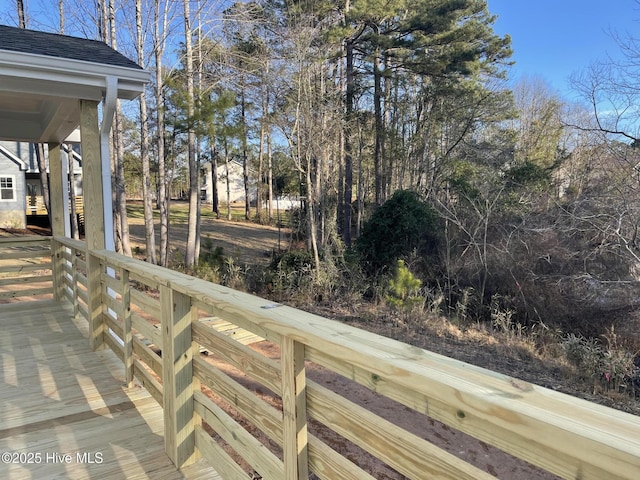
(12, 190)
(236, 187)
(20, 185)
(235, 184)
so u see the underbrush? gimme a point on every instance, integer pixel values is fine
(401, 307)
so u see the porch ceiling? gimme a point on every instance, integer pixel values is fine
(44, 76)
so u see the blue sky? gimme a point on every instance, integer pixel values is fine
(554, 38)
(550, 38)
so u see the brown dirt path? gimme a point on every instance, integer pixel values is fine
(247, 242)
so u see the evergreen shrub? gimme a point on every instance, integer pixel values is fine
(404, 224)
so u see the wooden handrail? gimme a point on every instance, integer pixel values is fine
(564, 435)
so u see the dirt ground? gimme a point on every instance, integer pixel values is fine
(248, 242)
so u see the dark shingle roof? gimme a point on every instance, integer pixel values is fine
(62, 46)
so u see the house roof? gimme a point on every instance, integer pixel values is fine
(22, 165)
(61, 46)
(43, 77)
(23, 154)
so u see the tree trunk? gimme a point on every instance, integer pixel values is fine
(21, 19)
(191, 253)
(120, 212)
(226, 173)
(379, 130)
(360, 194)
(61, 15)
(348, 147)
(122, 222)
(150, 238)
(259, 194)
(263, 138)
(215, 202)
(311, 215)
(270, 178)
(163, 191)
(387, 160)
(245, 155)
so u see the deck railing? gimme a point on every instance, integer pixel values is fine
(159, 321)
(25, 267)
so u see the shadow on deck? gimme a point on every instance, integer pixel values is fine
(65, 411)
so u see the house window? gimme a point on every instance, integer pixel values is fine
(7, 188)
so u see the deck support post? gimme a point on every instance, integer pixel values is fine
(57, 206)
(94, 215)
(177, 376)
(294, 405)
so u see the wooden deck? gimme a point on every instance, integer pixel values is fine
(61, 402)
(64, 410)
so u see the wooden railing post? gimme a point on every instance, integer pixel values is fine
(57, 266)
(177, 376)
(127, 339)
(294, 407)
(74, 282)
(94, 292)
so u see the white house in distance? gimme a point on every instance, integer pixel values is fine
(235, 185)
(20, 185)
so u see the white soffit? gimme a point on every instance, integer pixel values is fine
(40, 95)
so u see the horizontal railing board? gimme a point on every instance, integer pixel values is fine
(67, 268)
(71, 243)
(115, 325)
(382, 385)
(249, 327)
(114, 345)
(67, 253)
(68, 294)
(112, 283)
(148, 382)
(149, 305)
(146, 329)
(258, 367)
(82, 280)
(146, 281)
(250, 406)
(113, 304)
(81, 265)
(238, 334)
(82, 309)
(406, 453)
(82, 294)
(253, 452)
(215, 455)
(148, 356)
(328, 463)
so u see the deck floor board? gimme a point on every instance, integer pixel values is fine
(57, 397)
